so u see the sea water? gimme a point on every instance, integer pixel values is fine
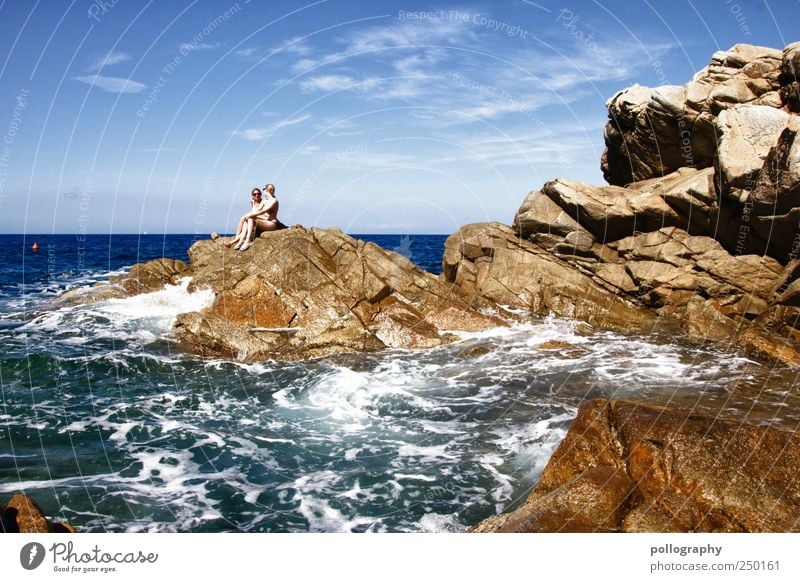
(110, 426)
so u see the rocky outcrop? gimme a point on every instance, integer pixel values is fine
(301, 293)
(653, 132)
(560, 257)
(706, 236)
(22, 515)
(142, 278)
(634, 467)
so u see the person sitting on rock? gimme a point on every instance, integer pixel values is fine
(242, 237)
(263, 218)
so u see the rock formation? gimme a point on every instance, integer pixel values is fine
(301, 293)
(705, 231)
(633, 467)
(653, 132)
(22, 515)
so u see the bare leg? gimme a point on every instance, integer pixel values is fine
(249, 231)
(266, 224)
(239, 238)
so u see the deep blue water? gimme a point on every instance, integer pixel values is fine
(109, 425)
(69, 257)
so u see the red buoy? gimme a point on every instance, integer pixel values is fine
(35, 246)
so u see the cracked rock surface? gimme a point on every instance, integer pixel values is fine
(634, 467)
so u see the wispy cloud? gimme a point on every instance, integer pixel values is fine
(188, 47)
(295, 46)
(247, 53)
(328, 83)
(111, 84)
(262, 133)
(112, 58)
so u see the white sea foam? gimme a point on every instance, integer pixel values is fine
(143, 318)
(436, 523)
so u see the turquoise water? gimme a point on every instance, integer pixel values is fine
(113, 428)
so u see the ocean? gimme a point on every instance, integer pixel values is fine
(111, 427)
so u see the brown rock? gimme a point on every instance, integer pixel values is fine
(611, 213)
(554, 345)
(152, 275)
(594, 501)
(518, 273)
(301, 293)
(746, 134)
(653, 132)
(23, 515)
(639, 467)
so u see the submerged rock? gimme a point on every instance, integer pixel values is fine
(142, 278)
(634, 467)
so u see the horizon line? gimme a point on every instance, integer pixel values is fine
(28, 235)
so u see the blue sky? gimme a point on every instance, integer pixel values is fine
(377, 117)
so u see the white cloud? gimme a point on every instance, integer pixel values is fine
(111, 84)
(327, 83)
(112, 58)
(188, 47)
(247, 53)
(303, 65)
(413, 33)
(262, 133)
(309, 150)
(295, 46)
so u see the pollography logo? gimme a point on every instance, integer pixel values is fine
(31, 555)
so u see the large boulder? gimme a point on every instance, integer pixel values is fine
(746, 134)
(774, 202)
(302, 293)
(634, 467)
(653, 132)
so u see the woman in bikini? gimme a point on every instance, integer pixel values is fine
(263, 218)
(242, 229)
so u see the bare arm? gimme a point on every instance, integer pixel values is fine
(263, 208)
